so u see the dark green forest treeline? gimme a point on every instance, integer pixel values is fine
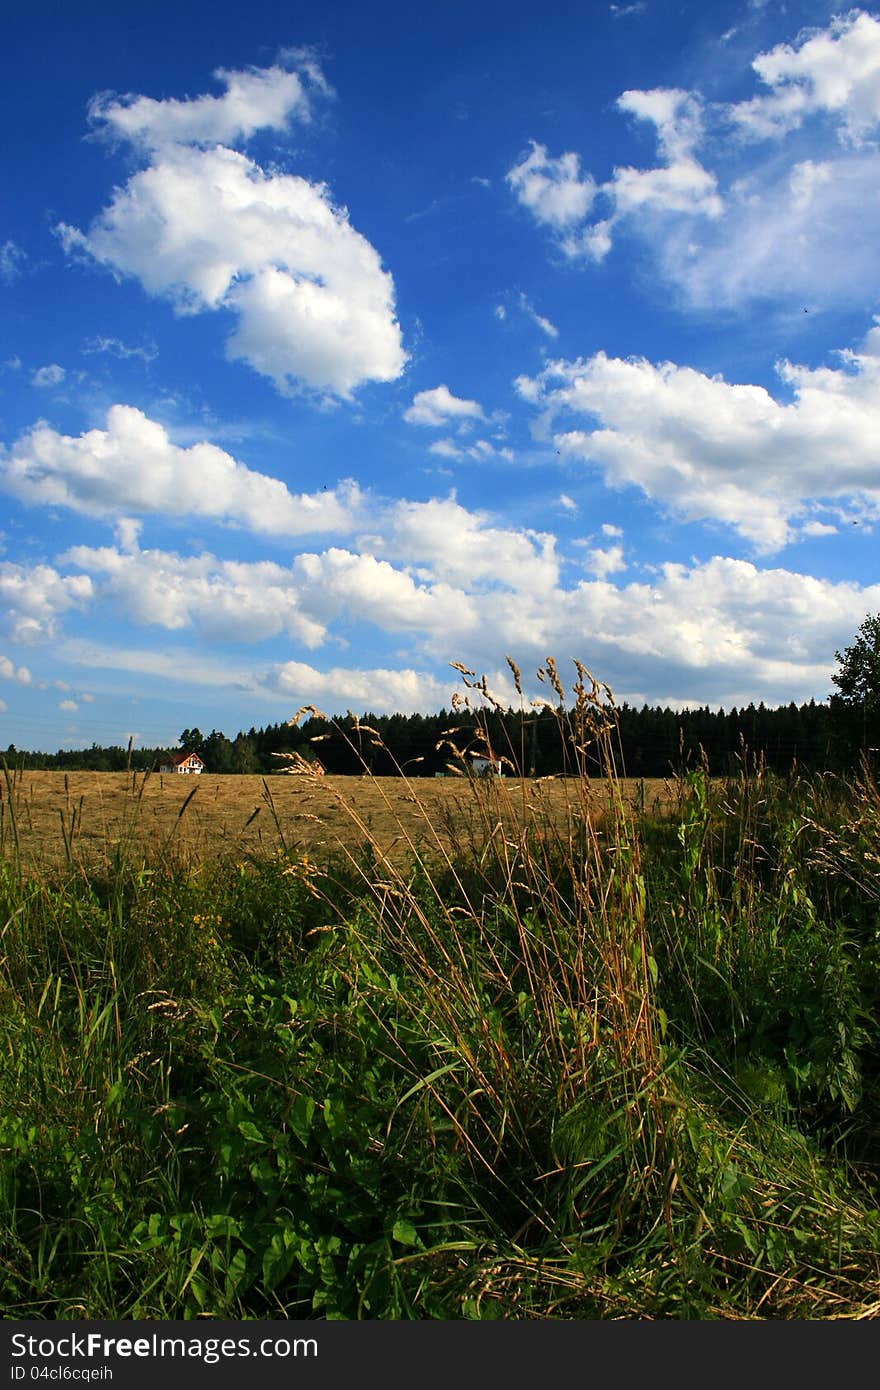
(653, 742)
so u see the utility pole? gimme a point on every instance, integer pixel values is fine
(533, 743)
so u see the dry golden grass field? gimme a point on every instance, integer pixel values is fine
(50, 817)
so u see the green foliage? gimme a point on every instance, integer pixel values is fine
(856, 706)
(612, 1069)
(858, 679)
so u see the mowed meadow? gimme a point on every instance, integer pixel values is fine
(312, 1047)
(88, 817)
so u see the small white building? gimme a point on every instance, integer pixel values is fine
(486, 767)
(183, 762)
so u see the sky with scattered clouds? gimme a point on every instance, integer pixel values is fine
(342, 342)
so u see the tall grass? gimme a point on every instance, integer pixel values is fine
(608, 1063)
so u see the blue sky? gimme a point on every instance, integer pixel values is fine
(340, 343)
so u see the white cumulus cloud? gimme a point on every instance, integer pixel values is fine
(208, 229)
(32, 597)
(132, 466)
(356, 587)
(236, 601)
(552, 187)
(722, 633)
(833, 71)
(450, 543)
(727, 220)
(725, 631)
(556, 195)
(714, 450)
(604, 561)
(439, 407)
(380, 690)
(254, 99)
(225, 600)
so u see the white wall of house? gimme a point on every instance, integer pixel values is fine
(486, 767)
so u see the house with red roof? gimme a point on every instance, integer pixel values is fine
(183, 762)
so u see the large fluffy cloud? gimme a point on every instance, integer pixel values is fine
(132, 466)
(449, 542)
(724, 631)
(712, 450)
(729, 222)
(225, 600)
(361, 588)
(209, 229)
(834, 72)
(250, 602)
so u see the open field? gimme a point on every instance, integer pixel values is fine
(580, 1060)
(86, 815)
